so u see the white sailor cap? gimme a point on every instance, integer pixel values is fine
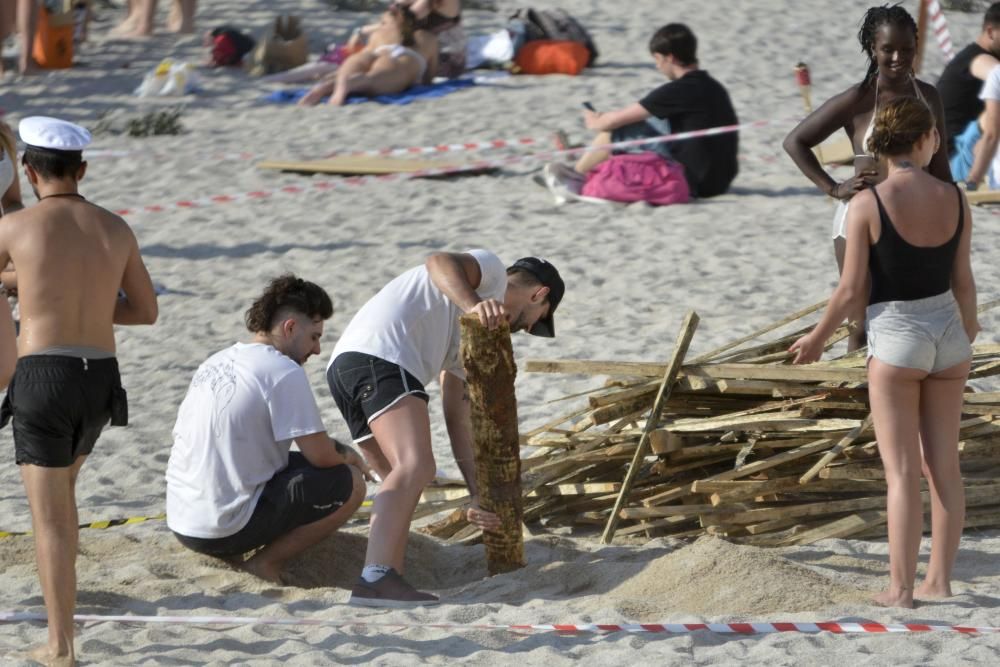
(53, 134)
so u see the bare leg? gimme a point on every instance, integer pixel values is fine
(27, 21)
(383, 82)
(895, 401)
(856, 340)
(375, 458)
(269, 562)
(182, 16)
(940, 414)
(52, 498)
(319, 91)
(593, 158)
(130, 22)
(8, 15)
(404, 436)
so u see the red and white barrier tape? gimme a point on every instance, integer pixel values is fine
(439, 171)
(940, 27)
(833, 627)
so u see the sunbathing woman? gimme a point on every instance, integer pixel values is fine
(397, 55)
(889, 36)
(912, 233)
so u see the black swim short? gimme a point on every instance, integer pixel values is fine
(364, 386)
(59, 406)
(298, 495)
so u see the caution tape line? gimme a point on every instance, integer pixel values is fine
(744, 628)
(110, 523)
(481, 165)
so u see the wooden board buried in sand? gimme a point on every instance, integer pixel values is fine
(357, 165)
(979, 197)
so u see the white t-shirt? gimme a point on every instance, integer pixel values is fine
(244, 407)
(991, 91)
(410, 322)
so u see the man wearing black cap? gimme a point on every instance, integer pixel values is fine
(71, 259)
(402, 339)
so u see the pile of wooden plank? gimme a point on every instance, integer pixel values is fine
(736, 443)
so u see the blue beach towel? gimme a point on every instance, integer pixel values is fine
(405, 97)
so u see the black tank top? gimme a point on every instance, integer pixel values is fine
(960, 92)
(904, 272)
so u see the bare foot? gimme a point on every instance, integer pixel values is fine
(126, 27)
(27, 66)
(895, 598)
(931, 591)
(338, 98)
(43, 656)
(313, 97)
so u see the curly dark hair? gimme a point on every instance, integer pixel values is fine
(875, 18)
(284, 295)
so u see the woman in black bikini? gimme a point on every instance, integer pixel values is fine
(444, 19)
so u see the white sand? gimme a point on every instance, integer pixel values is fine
(741, 260)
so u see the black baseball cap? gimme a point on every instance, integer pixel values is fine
(548, 276)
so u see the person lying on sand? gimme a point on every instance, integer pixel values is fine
(232, 484)
(912, 233)
(402, 339)
(72, 258)
(395, 57)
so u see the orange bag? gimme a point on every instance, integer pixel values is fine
(543, 56)
(53, 47)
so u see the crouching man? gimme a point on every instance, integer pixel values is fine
(232, 484)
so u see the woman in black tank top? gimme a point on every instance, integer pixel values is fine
(913, 233)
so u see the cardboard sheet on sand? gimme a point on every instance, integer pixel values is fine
(360, 164)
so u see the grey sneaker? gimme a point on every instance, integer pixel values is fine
(389, 591)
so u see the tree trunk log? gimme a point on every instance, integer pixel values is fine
(489, 365)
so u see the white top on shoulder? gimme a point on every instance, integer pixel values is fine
(234, 428)
(410, 322)
(991, 91)
(991, 86)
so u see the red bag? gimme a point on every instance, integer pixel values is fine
(631, 177)
(544, 56)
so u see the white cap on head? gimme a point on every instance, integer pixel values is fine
(52, 133)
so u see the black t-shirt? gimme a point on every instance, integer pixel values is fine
(696, 101)
(959, 91)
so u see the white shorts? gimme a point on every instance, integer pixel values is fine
(925, 333)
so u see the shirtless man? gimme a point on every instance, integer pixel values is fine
(72, 258)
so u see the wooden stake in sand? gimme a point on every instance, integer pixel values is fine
(488, 358)
(669, 377)
(918, 59)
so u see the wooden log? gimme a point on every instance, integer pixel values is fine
(745, 471)
(840, 528)
(837, 449)
(669, 376)
(488, 358)
(818, 372)
(760, 332)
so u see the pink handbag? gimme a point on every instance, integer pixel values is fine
(634, 177)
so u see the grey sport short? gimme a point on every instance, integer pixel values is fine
(925, 333)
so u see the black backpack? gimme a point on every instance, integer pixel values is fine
(556, 24)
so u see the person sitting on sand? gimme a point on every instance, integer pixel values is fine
(232, 484)
(74, 259)
(888, 35)
(970, 94)
(395, 57)
(912, 233)
(692, 100)
(403, 338)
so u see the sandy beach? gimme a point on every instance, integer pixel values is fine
(740, 260)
